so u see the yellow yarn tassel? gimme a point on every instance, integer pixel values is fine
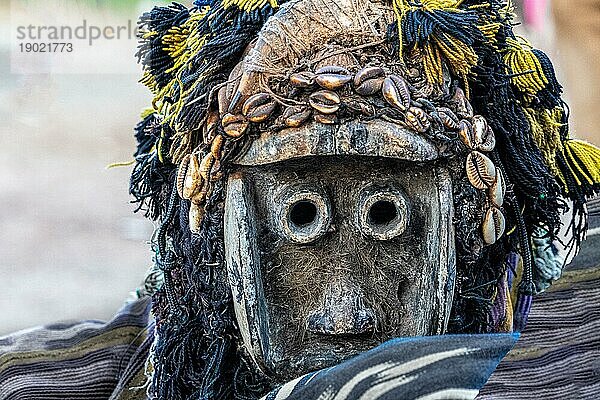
(249, 5)
(400, 8)
(490, 31)
(149, 81)
(520, 61)
(585, 158)
(146, 112)
(545, 129)
(182, 42)
(159, 146)
(449, 5)
(120, 164)
(432, 64)
(461, 57)
(507, 13)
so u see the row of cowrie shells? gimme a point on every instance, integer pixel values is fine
(324, 103)
(483, 174)
(195, 177)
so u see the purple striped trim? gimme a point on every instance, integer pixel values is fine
(498, 311)
(522, 311)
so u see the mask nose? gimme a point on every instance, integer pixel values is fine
(342, 312)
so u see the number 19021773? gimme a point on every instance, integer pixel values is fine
(46, 47)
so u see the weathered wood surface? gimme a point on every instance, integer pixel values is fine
(352, 138)
(339, 292)
(557, 356)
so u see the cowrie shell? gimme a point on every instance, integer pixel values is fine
(259, 107)
(326, 118)
(295, 116)
(195, 216)
(325, 101)
(449, 119)
(498, 189)
(234, 125)
(216, 145)
(480, 170)
(465, 133)
(332, 77)
(416, 118)
(463, 107)
(193, 181)
(396, 92)
(480, 126)
(369, 81)
(493, 225)
(206, 166)
(302, 79)
(484, 136)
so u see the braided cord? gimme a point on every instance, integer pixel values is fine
(166, 259)
(526, 286)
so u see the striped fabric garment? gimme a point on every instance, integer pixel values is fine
(557, 355)
(92, 360)
(555, 358)
(84, 360)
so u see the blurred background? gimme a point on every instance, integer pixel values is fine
(70, 246)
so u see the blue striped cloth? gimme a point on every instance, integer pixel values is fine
(435, 367)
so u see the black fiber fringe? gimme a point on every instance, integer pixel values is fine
(498, 101)
(228, 31)
(419, 25)
(150, 50)
(550, 96)
(151, 178)
(196, 355)
(478, 267)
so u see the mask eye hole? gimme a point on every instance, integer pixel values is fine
(303, 213)
(383, 212)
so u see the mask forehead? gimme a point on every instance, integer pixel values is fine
(282, 286)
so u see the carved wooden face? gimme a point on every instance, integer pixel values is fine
(330, 256)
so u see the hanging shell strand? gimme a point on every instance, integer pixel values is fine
(479, 138)
(195, 178)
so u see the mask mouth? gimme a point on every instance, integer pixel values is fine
(321, 352)
(359, 322)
